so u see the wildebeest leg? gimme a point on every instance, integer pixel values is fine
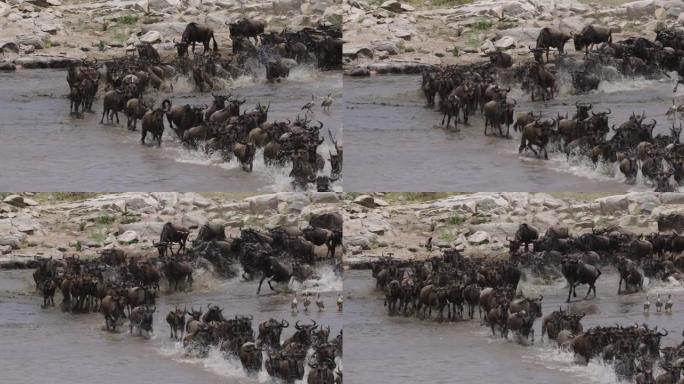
(104, 112)
(144, 133)
(569, 293)
(620, 284)
(589, 291)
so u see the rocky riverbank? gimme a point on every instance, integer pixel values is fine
(478, 224)
(52, 225)
(404, 36)
(55, 33)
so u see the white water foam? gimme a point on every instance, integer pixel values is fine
(328, 281)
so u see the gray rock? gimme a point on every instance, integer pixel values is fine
(479, 237)
(33, 39)
(151, 37)
(392, 6)
(128, 237)
(359, 72)
(385, 46)
(505, 42)
(13, 240)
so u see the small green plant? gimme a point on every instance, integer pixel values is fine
(128, 19)
(446, 235)
(456, 219)
(79, 246)
(456, 52)
(81, 226)
(483, 25)
(101, 45)
(130, 219)
(104, 219)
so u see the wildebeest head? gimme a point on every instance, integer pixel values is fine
(304, 332)
(195, 315)
(214, 313)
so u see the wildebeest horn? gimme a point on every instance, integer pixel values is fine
(297, 326)
(609, 111)
(284, 323)
(663, 334)
(314, 325)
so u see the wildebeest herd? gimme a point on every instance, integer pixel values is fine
(122, 287)
(221, 127)
(464, 90)
(490, 287)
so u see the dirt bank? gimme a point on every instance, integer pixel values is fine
(479, 223)
(53, 33)
(401, 37)
(58, 225)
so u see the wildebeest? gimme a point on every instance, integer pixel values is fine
(245, 155)
(153, 122)
(246, 28)
(250, 357)
(196, 33)
(500, 59)
(526, 235)
(270, 331)
(552, 38)
(585, 81)
(630, 274)
(177, 272)
(48, 288)
(113, 102)
(135, 110)
(576, 273)
(590, 35)
(537, 133)
(141, 318)
(176, 320)
(276, 70)
(499, 112)
(112, 308)
(172, 233)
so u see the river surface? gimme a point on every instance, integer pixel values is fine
(43, 148)
(401, 349)
(49, 346)
(395, 143)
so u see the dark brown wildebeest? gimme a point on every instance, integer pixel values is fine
(276, 70)
(245, 155)
(113, 309)
(498, 112)
(141, 318)
(576, 273)
(153, 122)
(431, 296)
(429, 87)
(48, 287)
(524, 118)
(211, 231)
(552, 38)
(542, 79)
(176, 321)
(590, 35)
(629, 168)
(113, 102)
(270, 331)
(303, 335)
(184, 117)
(451, 107)
(196, 33)
(135, 110)
(172, 233)
(537, 133)
(250, 357)
(246, 28)
(322, 236)
(526, 234)
(177, 272)
(630, 274)
(500, 59)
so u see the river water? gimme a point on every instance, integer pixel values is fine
(49, 346)
(401, 349)
(43, 148)
(394, 143)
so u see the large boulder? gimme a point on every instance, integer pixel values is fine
(35, 40)
(127, 237)
(151, 37)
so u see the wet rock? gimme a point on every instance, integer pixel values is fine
(612, 204)
(127, 237)
(30, 62)
(365, 200)
(359, 72)
(15, 200)
(6, 65)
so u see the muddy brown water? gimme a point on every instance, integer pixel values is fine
(44, 148)
(395, 143)
(397, 349)
(49, 346)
